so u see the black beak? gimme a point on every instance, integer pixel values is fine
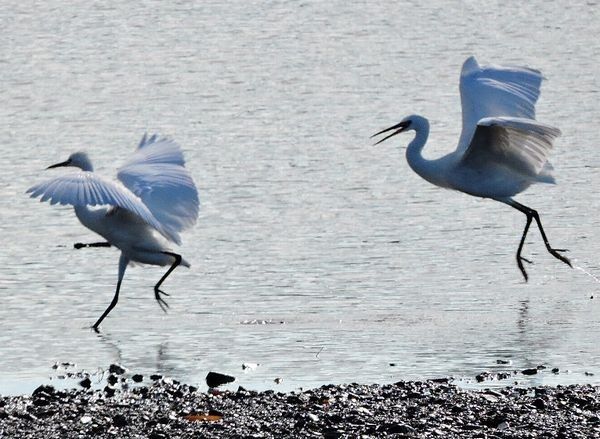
(66, 163)
(399, 127)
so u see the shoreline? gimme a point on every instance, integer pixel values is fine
(166, 408)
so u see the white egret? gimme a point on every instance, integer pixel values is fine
(502, 149)
(154, 193)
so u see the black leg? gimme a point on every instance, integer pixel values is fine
(532, 214)
(93, 244)
(109, 309)
(157, 291)
(520, 258)
(123, 261)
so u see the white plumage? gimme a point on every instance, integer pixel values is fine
(502, 149)
(154, 193)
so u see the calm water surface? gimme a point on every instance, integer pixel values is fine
(316, 255)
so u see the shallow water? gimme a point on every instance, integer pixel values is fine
(316, 255)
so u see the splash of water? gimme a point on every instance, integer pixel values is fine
(593, 276)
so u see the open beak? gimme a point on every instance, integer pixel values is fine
(399, 127)
(65, 163)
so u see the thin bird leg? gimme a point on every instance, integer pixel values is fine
(553, 251)
(123, 261)
(79, 245)
(532, 214)
(157, 291)
(520, 258)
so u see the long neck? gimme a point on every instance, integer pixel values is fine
(414, 155)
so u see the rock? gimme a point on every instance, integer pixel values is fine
(314, 418)
(215, 379)
(45, 390)
(119, 421)
(85, 419)
(112, 380)
(531, 371)
(116, 369)
(503, 426)
(137, 378)
(109, 390)
(155, 377)
(539, 404)
(86, 383)
(397, 428)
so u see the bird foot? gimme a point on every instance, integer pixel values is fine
(161, 302)
(520, 260)
(556, 252)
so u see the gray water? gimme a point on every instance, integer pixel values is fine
(316, 255)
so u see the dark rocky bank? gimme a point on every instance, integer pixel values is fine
(429, 409)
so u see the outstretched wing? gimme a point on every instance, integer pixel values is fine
(522, 145)
(156, 173)
(495, 91)
(85, 188)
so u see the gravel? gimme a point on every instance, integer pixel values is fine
(165, 408)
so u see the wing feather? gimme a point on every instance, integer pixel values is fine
(85, 188)
(520, 144)
(495, 91)
(156, 173)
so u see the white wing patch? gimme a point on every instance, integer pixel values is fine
(495, 91)
(156, 173)
(88, 189)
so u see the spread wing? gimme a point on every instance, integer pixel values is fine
(156, 173)
(522, 145)
(85, 188)
(495, 91)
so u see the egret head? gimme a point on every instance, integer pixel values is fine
(409, 123)
(77, 159)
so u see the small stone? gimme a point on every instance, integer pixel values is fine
(398, 428)
(155, 377)
(278, 380)
(215, 379)
(503, 426)
(137, 378)
(86, 419)
(116, 369)
(44, 390)
(109, 390)
(539, 404)
(119, 421)
(86, 383)
(555, 370)
(503, 362)
(112, 380)
(531, 371)
(313, 417)
(364, 411)
(41, 401)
